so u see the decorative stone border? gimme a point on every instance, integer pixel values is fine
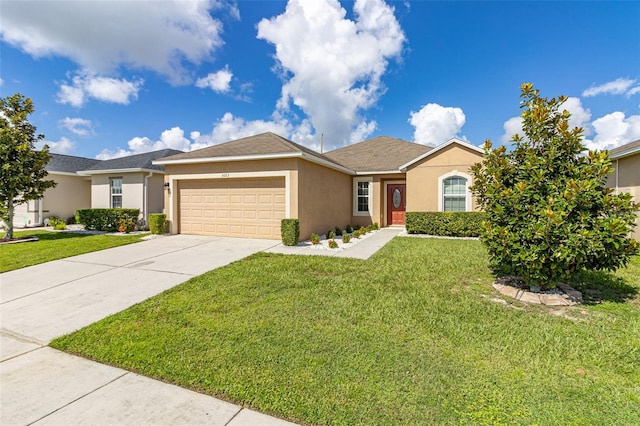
(19, 240)
(568, 296)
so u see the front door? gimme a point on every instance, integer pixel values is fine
(396, 203)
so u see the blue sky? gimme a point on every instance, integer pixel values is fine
(121, 77)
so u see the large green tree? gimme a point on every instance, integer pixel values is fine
(549, 212)
(22, 171)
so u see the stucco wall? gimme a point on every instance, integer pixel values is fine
(132, 190)
(324, 197)
(71, 193)
(626, 178)
(155, 193)
(423, 192)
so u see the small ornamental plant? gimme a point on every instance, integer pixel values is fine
(126, 226)
(315, 239)
(346, 238)
(375, 226)
(338, 231)
(357, 233)
(333, 244)
(331, 235)
(348, 229)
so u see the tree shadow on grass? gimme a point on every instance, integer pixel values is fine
(52, 236)
(600, 286)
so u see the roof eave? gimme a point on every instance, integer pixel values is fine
(625, 153)
(328, 164)
(112, 171)
(379, 172)
(228, 158)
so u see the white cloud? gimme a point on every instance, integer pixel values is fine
(218, 81)
(332, 66)
(633, 91)
(63, 146)
(616, 87)
(169, 139)
(156, 36)
(613, 130)
(78, 126)
(105, 89)
(229, 128)
(435, 124)
(579, 118)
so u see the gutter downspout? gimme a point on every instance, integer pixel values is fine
(145, 214)
(617, 168)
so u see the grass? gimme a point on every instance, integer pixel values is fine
(56, 245)
(411, 336)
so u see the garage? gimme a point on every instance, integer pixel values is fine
(249, 208)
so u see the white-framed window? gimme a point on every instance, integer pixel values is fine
(116, 192)
(454, 193)
(362, 196)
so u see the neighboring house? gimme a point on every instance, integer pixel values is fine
(129, 182)
(243, 188)
(72, 192)
(626, 176)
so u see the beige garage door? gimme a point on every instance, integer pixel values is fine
(249, 208)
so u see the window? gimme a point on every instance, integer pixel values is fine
(116, 193)
(454, 192)
(362, 196)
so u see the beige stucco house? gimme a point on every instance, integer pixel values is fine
(626, 176)
(72, 192)
(244, 188)
(129, 182)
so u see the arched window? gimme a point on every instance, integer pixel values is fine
(454, 194)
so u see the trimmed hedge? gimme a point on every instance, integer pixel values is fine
(290, 231)
(105, 219)
(158, 223)
(449, 224)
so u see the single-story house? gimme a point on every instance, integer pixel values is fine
(129, 182)
(243, 188)
(72, 192)
(626, 174)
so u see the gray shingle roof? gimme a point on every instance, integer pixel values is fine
(138, 161)
(262, 144)
(378, 154)
(69, 163)
(628, 148)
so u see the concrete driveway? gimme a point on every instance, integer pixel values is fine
(41, 385)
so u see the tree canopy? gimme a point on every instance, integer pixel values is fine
(549, 212)
(22, 171)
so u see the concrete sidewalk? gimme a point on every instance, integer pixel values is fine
(363, 249)
(40, 385)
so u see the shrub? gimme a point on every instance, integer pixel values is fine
(71, 220)
(549, 211)
(375, 226)
(349, 229)
(56, 222)
(105, 219)
(333, 244)
(158, 223)
(315, 239)
(346, 238)
(290, 231)
(126, 226)
(338, 231)
(357, 233)
(331, 235)
(449, 224)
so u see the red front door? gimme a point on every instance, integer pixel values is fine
(396, 203)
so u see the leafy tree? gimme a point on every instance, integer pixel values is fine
(549, 213)
(22, 170)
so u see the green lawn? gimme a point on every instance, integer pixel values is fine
(411, 336)
(56, 245)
